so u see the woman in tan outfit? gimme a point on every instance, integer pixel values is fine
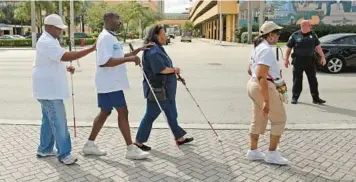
(267, 103)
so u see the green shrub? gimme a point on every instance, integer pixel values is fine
(94, 35)
(240, 31)
(77, 42)
(15, 42)
(244, 36)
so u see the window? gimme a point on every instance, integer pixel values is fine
(347, 40)
(329, 38)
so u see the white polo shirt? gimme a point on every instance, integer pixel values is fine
(264, 54)
(49, 74)
(109, 79)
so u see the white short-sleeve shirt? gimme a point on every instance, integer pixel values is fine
(109, 79)
(263, 54)
(49, 74)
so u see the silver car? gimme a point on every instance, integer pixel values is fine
(186, 37)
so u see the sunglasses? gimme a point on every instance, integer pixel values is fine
(278, 32)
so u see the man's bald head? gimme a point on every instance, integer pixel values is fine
(305, 26)
(112, 21)
(110, 15)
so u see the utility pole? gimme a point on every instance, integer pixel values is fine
(60, 11)
(33, 24)
(221, 21)
(262, 13)
(71, 7)
(249, 22)
(141, 31)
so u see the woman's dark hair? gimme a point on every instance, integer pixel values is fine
(257, 40)
(152, 35)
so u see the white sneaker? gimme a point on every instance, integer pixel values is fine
(93, 149)
(47, 154)
(254, 155)
(69, 160)
(275, 157)
(133, 152)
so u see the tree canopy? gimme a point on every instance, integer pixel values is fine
(188, 26)
(131, 13)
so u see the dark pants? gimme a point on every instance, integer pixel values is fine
(152, 112)
(307, 64)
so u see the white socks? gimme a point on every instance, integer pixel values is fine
(90, 143)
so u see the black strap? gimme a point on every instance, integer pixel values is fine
(112, 33)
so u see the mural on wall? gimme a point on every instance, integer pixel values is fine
(293, 12)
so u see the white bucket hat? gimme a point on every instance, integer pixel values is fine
(55, 20)
(268, 26)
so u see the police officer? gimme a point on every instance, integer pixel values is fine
(305, 43)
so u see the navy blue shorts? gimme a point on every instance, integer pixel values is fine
(108, 101)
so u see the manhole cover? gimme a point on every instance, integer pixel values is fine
(215, 64)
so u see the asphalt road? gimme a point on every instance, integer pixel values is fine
(216, 76)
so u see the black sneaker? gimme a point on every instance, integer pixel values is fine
(187, 140)
(143, 147)
(294, 101)
(319, 101)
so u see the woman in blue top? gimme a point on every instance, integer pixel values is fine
(160, 72)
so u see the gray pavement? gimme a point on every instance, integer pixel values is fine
(318, 156)
(216, 76)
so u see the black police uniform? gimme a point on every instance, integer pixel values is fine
(303, 60)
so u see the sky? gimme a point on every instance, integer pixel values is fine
(177, 6)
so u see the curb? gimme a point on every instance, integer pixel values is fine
(200, 126)
(224, 44)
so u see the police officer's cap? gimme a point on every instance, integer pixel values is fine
(268, 27)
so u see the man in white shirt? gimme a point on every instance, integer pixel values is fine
(50, 88)
(110, 81)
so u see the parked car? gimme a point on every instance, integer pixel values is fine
(38, 35)
(186, 37)
(339, 50)
(168, 39)
(19, 37)
(7, 37)
(80, 35)
(172, 35)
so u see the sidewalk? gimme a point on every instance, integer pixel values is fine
(222, 43)
(318, 155)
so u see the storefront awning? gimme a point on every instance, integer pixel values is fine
(4, 26)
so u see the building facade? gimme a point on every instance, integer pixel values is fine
(154, 5)
(289, 12)
(205, 15)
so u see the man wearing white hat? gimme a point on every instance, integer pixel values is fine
(50, 88)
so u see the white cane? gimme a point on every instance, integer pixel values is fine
(154, 95)
(72, 85)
